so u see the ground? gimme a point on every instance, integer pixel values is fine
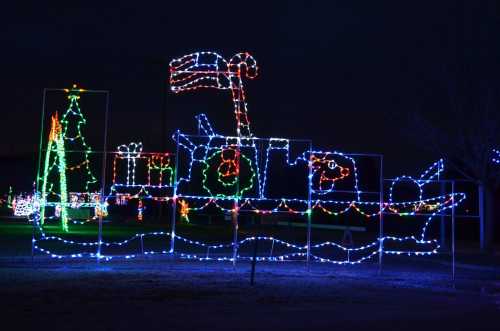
(171, 294)
(166, 293)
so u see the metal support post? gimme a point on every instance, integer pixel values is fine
(381, 217)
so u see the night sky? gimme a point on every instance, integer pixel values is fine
(344, 74)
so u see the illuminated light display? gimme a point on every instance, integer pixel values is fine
(153, 180)
(57, 211)
(327, 172)
(140, 209)
(210, 70)
(158, 166)
(184, 212)
(56, 152)
(9, 198)
(121, 199)
(72, 123)
(227, 164)
(365, 252)
(72, 171)
(100, 209)
(22, 205)
(496, 158)
(203, 150)
(131, 153)
(300, 250)
(237, 174)
(229, 168)
(425, 178)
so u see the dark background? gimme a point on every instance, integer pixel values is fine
(344, 74)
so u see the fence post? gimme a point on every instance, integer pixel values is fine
(272, 248)
(33, 240)
(174, 199)
(453, 229)
(443, 219)
(381, 217)
(103, 179)
(482, 241)
(254, 261)
(309, 207)
(234, 217)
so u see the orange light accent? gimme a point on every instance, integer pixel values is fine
(184, 208)
(55, 128)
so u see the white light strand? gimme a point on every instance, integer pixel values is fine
(496, 157)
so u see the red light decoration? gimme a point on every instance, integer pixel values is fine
(140, 209)
(210, 70)
(327, 172)
(228, 170)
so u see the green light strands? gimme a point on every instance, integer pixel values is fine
(61, 155)
(228, 173)
(55, 146)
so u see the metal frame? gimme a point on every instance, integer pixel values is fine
(104, 152)
(235, 212)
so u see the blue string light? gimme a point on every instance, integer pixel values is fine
(496, 158)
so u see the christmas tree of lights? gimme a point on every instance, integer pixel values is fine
(80, 176)
(67, 164)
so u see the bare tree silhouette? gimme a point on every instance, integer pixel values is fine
(466, 138)
(467, 129)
